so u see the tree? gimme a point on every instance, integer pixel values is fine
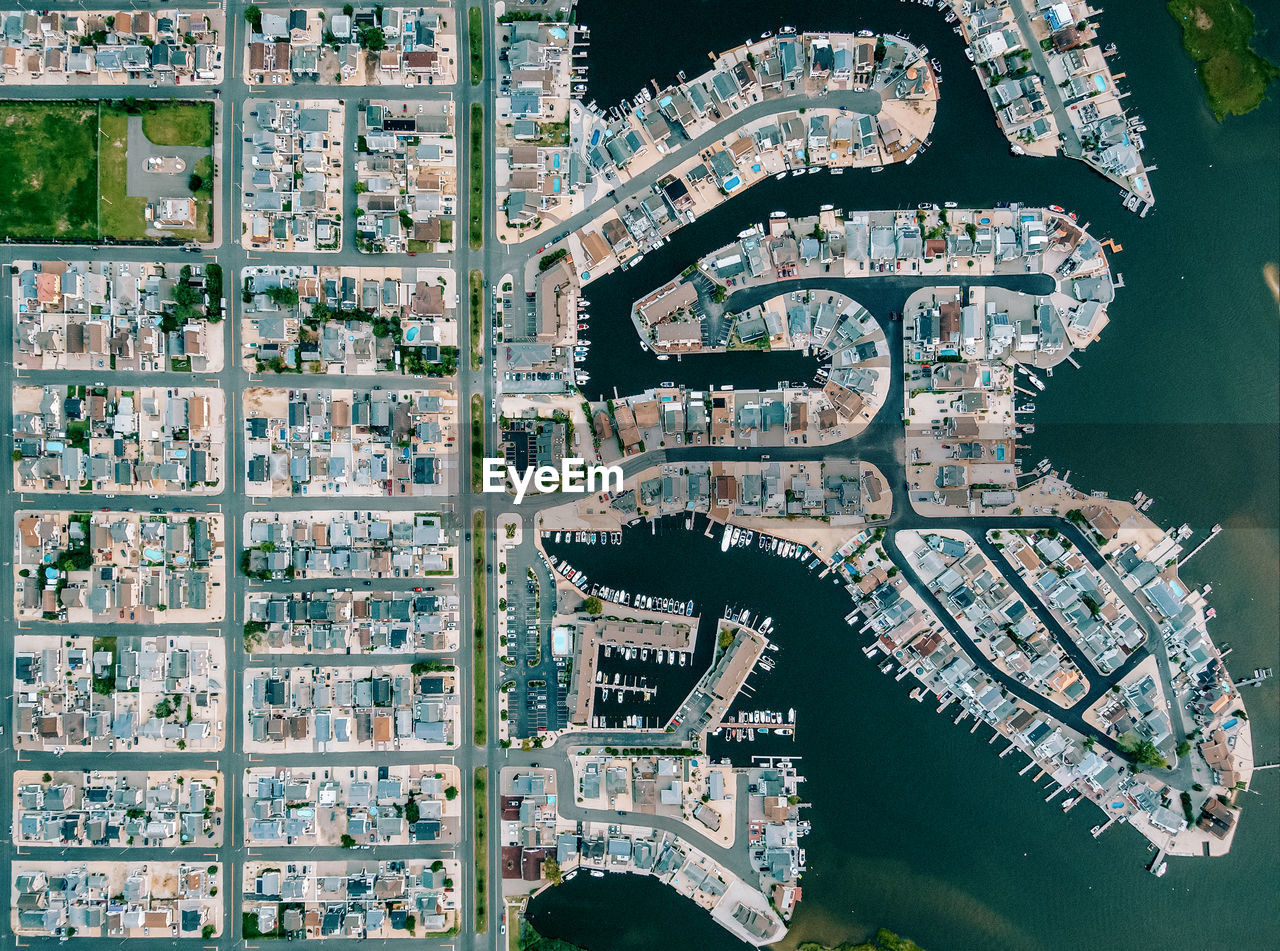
(593, 605)
(207, 932)
(195, 182)
(451, 793)
(348, 842)
(373, 39)
(347, 9)
(551, 870)
(254, 17)
(720, 294)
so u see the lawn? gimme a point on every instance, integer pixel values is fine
(475, 33)
(48, 170)
(478, 585)
(178, 123)
(121, 216)
(1217, 34)
(482, 849)
(475, 281)
(476, 204)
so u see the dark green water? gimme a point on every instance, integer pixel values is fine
(918, 826)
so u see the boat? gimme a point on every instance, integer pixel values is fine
(1027, 408)
(1057, 209)
(787, 31)
(865, 33)
(1069, 802)
(1159, 870)
(814, 168)
(796, 171)
(780, 176)
(597, 874)
(783, 732)
(912, 157)
(878, 168)
(1017, 150)
(766, 34)
(949, 204)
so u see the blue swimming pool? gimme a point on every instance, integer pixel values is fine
(595, 137)
(732, 183)
(152, 554)
(999, 453)
(755, 167)
(411, 334)
(1100, 82)
(948, 352)
(555, 161)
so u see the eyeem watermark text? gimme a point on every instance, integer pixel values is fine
(574, 475)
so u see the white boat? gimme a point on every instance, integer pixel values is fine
(949, 204)
(780, 176)
(912, 158)
(597, 874)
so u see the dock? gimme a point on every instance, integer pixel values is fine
(1213, 533)
(1259, 675)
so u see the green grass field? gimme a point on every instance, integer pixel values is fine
(481, 790)
(1217, 34)
(479, 591)
(475, 31)
(178, 123)
(475, 206)
(64, 168)
(475, 284)
(119, 215)
(49, 170)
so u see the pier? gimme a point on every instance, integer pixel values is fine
(1259, 675)
(1213, 533)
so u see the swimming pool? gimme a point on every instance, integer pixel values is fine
(555, 161)
(411, 335)
(948, 352)
(1100, 82)
(595, 137)
(152, 554)
(731, 183)
(756, 167)
(999, 453)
